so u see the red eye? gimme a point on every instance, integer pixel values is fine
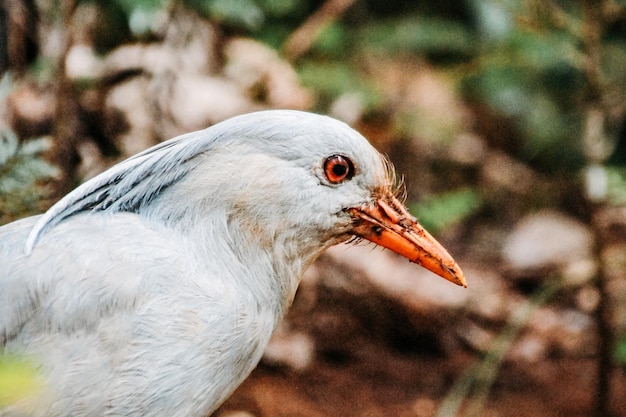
(338, 168)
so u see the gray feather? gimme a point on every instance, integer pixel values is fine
(128, 185)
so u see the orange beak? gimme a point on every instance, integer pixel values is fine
(389, 224)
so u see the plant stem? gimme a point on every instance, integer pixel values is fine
(476, 382)
(596, 144)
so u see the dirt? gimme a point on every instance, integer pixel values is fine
(371, 379)
(372, 359)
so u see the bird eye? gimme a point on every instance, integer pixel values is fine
(338, 168)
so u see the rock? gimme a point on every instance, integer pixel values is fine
(546, 241)
(150, 59)
(499, 170)
(477, 338)
(183, 84)
(489, 299)
(239, 413)
(91, 160)
(198, 101)
(529, 349)
(259, 72)
(348, 107)
(292, 349)
(468, 149)
(81, 63)
(421, 94)
(130, 100)
(564, 331)
(29, 110)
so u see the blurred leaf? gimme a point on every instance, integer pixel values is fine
(17, 380)
(130, 5)
(532, 78)
(282, 8)
(546, 128)
(274, 34)
(20, 169)
(241, 13)
(441, 211)
(616, 191)
(493, 18)
(502, 88)
(141, 14)
(614, 60)
(334, 41)
(332, 79)
(620, 352)
(539, 50)
(417, 34)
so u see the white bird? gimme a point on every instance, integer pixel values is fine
(153, 288)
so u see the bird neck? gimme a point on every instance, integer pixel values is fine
(255, 228)
(261, 264)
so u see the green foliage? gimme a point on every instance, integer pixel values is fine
(532, 68)
(620, 352)
(616, 187)
(533, 76)
(131, 5)
(335, 42)
(20, 170)
(240, 13)
(442, 211)
(331, 79)
(418, 35)
(261, 17)
(140, 14)
(17, 380)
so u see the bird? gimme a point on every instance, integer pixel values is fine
(153, 288)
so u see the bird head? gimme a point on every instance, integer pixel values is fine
(274, 176)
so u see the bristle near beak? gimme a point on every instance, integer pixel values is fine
(389, 224)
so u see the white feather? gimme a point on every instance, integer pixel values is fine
(152, 289)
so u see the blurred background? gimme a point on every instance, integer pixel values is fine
(504, 118)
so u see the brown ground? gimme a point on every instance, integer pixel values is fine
(375, 380)
(373, 359)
